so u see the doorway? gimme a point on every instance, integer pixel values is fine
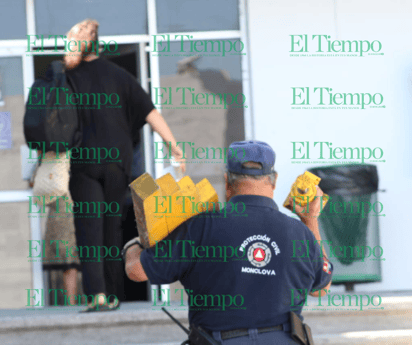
(127, 57)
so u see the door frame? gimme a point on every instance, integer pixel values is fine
(150, 78)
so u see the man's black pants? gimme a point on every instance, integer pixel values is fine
(101, 185)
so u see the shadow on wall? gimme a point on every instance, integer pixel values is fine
(220, 82)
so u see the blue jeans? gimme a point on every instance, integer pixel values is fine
(255, 338)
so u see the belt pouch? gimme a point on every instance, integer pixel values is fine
(297, 329)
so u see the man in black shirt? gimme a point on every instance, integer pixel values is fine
(113, 108)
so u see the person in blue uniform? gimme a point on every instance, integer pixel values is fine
(246, 267)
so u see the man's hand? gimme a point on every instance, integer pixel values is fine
(315, 207)
(322, 292)
(159, 125)
(178, 157)
(134, 269)
(310, 219)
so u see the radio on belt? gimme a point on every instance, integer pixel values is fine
(155, 222)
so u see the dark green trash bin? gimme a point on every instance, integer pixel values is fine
(350, 222)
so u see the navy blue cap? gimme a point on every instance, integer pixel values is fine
(250, 151)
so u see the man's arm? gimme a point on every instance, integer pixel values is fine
(159, 125)
(323, 291)
(165, 262)
(312, 224)
(310, 219)
(134, 268)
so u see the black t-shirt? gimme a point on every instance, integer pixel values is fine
(113, 108)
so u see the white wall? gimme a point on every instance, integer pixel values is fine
(274, 72)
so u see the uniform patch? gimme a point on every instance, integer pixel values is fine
(259, 254)
(326, 267)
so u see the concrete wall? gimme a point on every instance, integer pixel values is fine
(274, 73)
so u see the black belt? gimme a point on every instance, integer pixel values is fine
(244, 332)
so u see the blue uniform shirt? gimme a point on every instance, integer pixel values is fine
(243, 267)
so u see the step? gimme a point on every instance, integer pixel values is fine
(141, 323)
